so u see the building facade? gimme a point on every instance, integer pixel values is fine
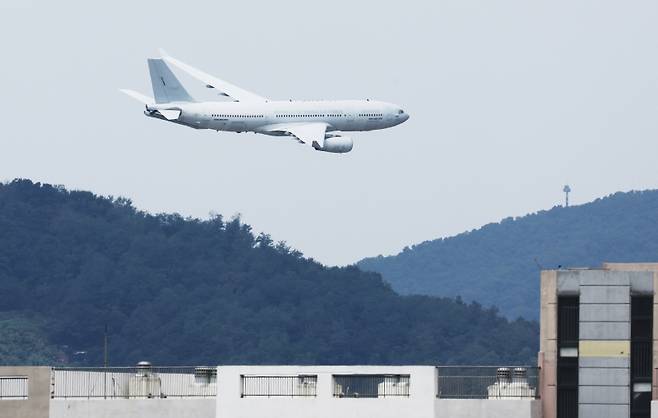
(270, 391)
(597, 352)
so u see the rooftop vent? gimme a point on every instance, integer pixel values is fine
(145, 383)
(205, 375)
(144, 365)
(504, 375)
(520, 374)
(511, 384)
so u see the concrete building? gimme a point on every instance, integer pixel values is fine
(597, 351)
(25, 392)
(354, 392)
(269, 391)
(597, 359)
(144, 392)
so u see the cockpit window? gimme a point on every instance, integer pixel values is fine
(400, 111)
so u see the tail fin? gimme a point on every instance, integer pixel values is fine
(166, 87)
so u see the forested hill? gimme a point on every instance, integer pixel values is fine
(499, 264)
(184, 291)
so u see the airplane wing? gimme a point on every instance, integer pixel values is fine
(226, 88)
(307, 133)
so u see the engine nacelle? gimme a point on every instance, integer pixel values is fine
(337, 144)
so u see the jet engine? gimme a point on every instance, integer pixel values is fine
(336, 144)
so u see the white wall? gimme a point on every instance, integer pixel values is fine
(421, 403)
(133, 408)
(485, 408)
(422, 390)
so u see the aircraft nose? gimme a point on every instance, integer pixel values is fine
(405, 117)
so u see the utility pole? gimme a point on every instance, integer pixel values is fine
(566, 191)
(105, 362)
(105, 347)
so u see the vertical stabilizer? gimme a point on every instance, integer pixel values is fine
(166, 87)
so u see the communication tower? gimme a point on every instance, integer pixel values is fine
(566, 191)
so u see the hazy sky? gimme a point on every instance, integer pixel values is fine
(509, 100)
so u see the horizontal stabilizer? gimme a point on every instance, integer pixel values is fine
(138, 96)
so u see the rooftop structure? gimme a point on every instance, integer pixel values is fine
(261, 391)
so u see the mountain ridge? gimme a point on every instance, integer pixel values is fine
(176, 290)
(499, 263)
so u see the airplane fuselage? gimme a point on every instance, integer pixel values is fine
(315, 123)
(339, 115)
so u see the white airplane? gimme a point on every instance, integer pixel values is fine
(316, 123)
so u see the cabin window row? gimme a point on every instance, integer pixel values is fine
(309, 116)
(216, 115)
(371, 114)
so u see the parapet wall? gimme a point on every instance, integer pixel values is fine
(483, 408)
(133, 408)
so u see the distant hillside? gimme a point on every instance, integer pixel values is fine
(498, 264)
(23, 341)
(184, 291)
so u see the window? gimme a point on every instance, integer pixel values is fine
(568, 336)
(274, 386)
(371, 385)
(641, 354)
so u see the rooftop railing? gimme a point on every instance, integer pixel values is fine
(488, 382)
(133, 382)
(13, 387)
(145, 381)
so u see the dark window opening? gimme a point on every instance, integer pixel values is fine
(641, 355)
(567, 361)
